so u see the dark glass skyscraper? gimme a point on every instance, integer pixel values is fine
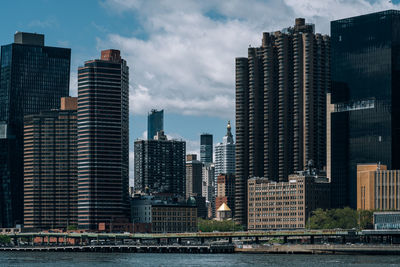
(206, 148)
(155, 123)
(103, 141)
(365, 92)
(33, 78)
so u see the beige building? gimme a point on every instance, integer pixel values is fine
(377, 187)
(285, 205)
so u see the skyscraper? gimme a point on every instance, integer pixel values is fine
(225, 155)
(50, 167)
(155, 123)
(194, 179)
(33, 78)
(365, 92)
(103, 140)
(281, 107)
(206, 148)
(160, 165)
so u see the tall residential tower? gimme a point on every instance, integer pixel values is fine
(281, 107)
(103, 140)
(50, 168)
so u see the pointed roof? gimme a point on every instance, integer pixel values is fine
(224, 207)
(228, 138)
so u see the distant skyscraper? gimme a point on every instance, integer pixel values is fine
(50, 167)
(206, 148)
(160, 165)
(208, 173)
(280, 107)
(194, 179)
(33, 77)
(103, 140)
(225, 155)
(155, 123)
(365, 92)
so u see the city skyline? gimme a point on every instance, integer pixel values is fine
(137, 29)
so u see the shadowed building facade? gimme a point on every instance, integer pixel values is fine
(365, 91)
(160, 165)
(155, 123)
(33, 78)
(206, 148)
(103, 141)
(281, 107)
(50, 168)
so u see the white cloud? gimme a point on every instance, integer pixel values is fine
(186, 62)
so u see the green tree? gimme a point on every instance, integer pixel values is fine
(221, 226)
(72, 227)
(5, 239)
(345, 218)
(366, 219)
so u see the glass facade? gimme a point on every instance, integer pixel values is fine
(365, 75)
(206, 148)
(155, 123)
(32, 79)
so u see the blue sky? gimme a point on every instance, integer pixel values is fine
(180, 52)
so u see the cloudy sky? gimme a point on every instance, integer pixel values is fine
(180, 52)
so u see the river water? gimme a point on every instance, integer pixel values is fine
(137, 259)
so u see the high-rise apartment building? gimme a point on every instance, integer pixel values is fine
(225, 155)
(365, 82)
(194, 179)
(206, 148)
(155, 123)
(50, 168)
(33, 78)
(160, 165)
(281, 107)
(103, 141)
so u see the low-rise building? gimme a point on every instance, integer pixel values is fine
(387, 220)
(154, 214)
(286, 205)
(224, 213)
(377, 187)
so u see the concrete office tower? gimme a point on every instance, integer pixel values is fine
(33, 77)
(225, 155)
(155, 123)
(281, 107)
(160, 165)
(194, 179)
(365, 92)
(50, 168)
(206, 148)
(103, 141)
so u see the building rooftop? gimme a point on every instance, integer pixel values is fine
(224, 207)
